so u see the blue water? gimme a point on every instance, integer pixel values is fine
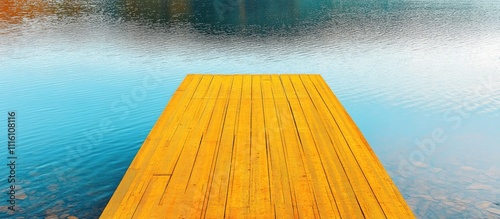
(88, 79)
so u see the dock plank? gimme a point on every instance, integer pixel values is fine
(255, 146)
(281, 193)
(238, 203)
(182, 170)
(302, 190)
(307, 146)
(219, 188)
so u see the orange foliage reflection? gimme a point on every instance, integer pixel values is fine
(14, 11)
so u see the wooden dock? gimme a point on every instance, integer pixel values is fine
(255, 146)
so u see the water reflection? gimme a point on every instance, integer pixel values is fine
(276, 13)
(217, 13)
(15, 11)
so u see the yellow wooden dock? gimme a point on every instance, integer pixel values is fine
(255, 146)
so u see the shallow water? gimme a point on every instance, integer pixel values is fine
(406, 71)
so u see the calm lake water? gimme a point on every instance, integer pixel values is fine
(421, 78)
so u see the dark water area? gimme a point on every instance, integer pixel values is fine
(88, 79)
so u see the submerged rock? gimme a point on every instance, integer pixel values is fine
(435, 170)
(438, 194)
(52, 187)
(479, 186)
(34, 173)
(21, 196)
(493, 173)
(494, 210)
(425, 197)
(467, 168)
(475, 213)
(483, 204)
(412, 201)
(4, 208)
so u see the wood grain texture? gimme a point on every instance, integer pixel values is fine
(255, 146)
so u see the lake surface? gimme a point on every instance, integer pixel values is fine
(420, 78)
